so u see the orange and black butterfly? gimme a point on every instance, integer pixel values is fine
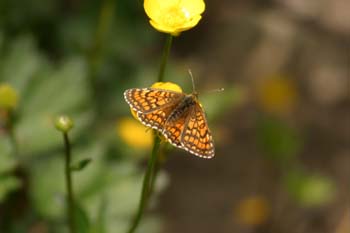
(178, 116)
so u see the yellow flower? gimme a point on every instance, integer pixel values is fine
(253, 211)
(134, 134)
(8, 97)
(161, 85)
(167, 86)
(174, 16)
(277, 95)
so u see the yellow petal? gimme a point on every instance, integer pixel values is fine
(152, 8)
(193, 7)
(167, 86)
(134, 133)
(189, 24)
(174, 16)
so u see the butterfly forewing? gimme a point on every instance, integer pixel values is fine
(146, 100)
(196, 137)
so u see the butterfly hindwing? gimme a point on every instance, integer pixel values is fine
(196, 137)
(156, 119)
(173, 129)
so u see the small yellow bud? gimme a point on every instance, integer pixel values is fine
(64, 124)
(8, 97)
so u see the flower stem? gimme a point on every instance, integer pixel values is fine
(95, 54)
(152, 168)
(146, 186)
(104, 21)
(11, 132)
(165, 56)
(69, 184)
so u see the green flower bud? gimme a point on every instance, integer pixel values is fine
(64, 124)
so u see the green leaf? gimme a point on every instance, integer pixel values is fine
(80, 165)
(310, 190)
(7, 160)
(36, 78)
(7, 184)
(99, 225)
(81, 219)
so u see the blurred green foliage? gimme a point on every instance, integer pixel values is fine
(47, 90)
(282, 144)
(8, 182)
(279, 141)
(310, 190)
(58, 61)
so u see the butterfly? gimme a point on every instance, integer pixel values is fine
(177, 116)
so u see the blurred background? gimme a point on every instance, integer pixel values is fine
(281, 127)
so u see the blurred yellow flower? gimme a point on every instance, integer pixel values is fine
(167, 86)
(277, 95)
(8, 97)
(134, 134)
(253, 211)
(161, 85)
(174, 16)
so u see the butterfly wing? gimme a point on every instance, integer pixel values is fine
(155, 119)
(196, 137)
(147, 100)
(173, 129)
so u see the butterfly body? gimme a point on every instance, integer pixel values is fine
(183, 107)
(178, 116)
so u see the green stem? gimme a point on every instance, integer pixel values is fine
(152, 168)
(69, 184)
(165, 56)
(11, 133)
(103, 25)
(95, 53)
(146, 186)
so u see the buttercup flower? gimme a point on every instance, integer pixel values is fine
(174, 16)
(8, 97)
(134, 134)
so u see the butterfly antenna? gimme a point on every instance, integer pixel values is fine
(193, 86)
(216, 90)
